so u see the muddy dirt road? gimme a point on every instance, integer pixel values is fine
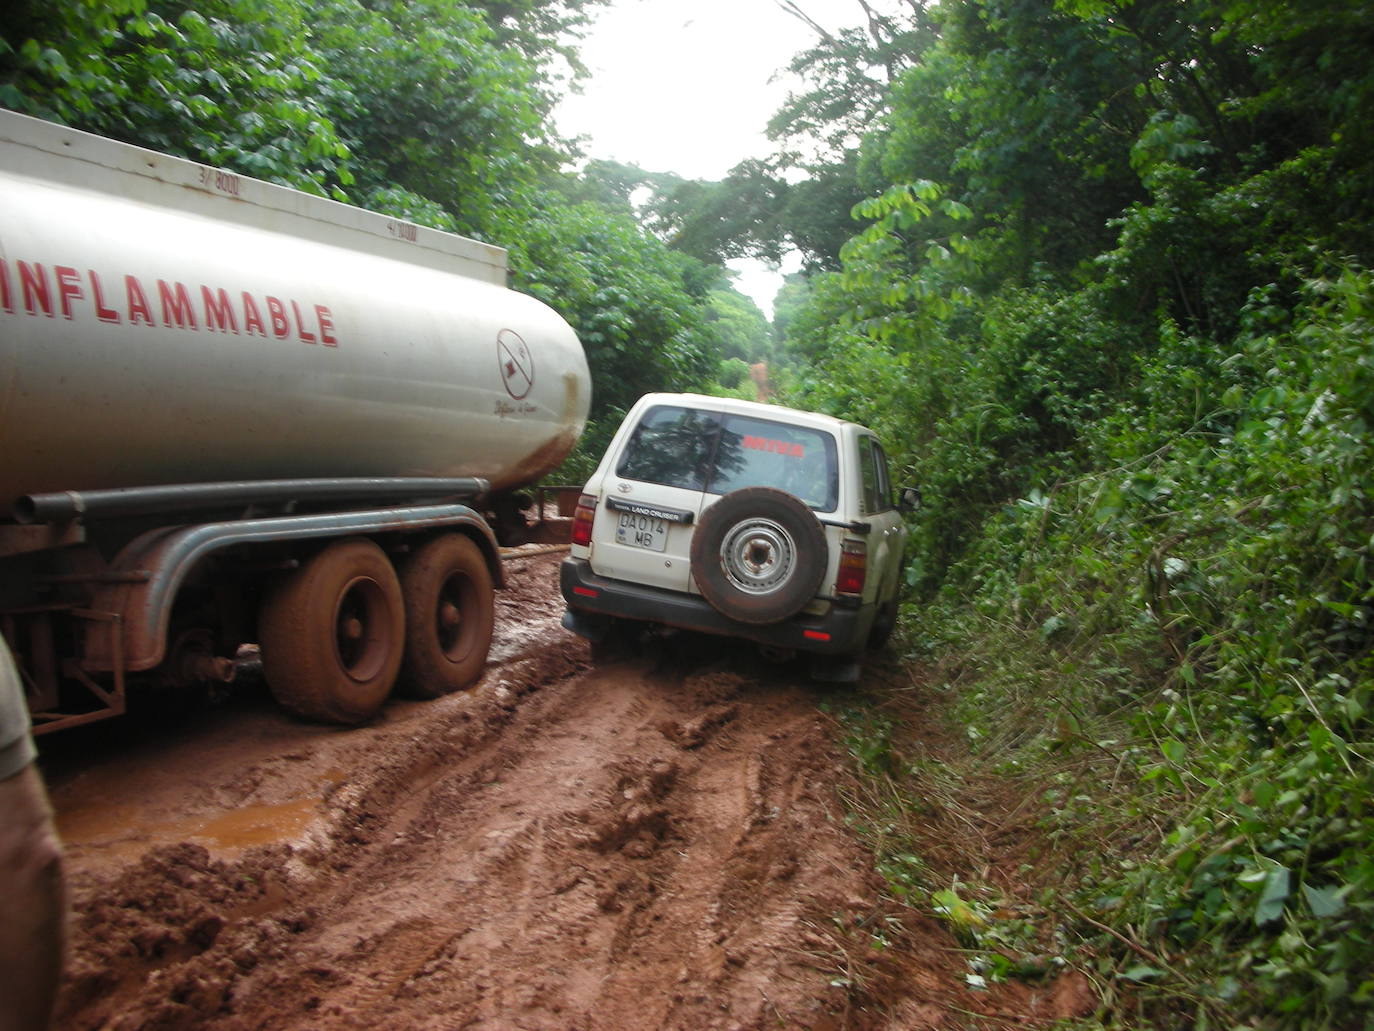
(650, 844)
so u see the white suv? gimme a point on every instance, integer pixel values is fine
(742, 519)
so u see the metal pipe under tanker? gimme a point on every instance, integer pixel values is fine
(162, 322)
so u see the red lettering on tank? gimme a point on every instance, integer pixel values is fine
(326, 319)
(252, 318)
(33, 281)
(138, 301)
(219, 313)
(280, 327)
(40, 289)
(176, 305)
(103, 313)
(306, 338)
(68, 288)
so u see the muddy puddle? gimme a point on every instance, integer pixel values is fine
(125, 831)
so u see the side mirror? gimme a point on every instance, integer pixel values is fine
(908, 499)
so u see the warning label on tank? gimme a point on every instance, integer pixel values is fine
(517, 363)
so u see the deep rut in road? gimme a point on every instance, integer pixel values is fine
(641, 845)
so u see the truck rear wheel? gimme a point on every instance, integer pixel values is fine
(450, 615)
(332, 634)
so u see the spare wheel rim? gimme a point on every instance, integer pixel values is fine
(758, 556)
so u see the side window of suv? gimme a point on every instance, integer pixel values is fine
(884, 483)
(877, 490)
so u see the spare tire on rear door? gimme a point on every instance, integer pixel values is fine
(758, 555)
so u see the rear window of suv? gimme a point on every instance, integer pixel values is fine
(718, 453)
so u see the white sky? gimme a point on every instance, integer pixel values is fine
(684, 86)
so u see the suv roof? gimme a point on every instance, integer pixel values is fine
(758, 409)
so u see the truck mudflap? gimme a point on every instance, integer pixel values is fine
(138, 591)
(841, 630)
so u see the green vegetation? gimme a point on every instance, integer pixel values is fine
(1109, 296)
(1098, 270)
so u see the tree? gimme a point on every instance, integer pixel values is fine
(627, 296)
(434, 109)
(545, 33)
(850, 74)
(736, 326)
(819, 129)
(227, 82)
(714, 222)
(1102, 304)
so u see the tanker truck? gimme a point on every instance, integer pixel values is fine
(236, 414)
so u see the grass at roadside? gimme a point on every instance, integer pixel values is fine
(964, 836)
(1050, 838)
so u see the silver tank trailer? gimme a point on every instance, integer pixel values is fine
(234, 413)
(164, 322)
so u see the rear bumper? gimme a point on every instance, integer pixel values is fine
(592, 598)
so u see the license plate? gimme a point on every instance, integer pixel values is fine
(641, 531)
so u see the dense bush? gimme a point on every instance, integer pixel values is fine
(1104, 312)
(1207, 593)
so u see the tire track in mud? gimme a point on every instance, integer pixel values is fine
(545, 885)
(630, 846)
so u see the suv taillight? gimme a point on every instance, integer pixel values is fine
(583, 519)
(853, 569)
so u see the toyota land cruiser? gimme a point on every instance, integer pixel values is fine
(742, 519)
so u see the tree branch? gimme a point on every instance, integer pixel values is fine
(795, 11)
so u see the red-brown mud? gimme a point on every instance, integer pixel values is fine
(654, 843)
